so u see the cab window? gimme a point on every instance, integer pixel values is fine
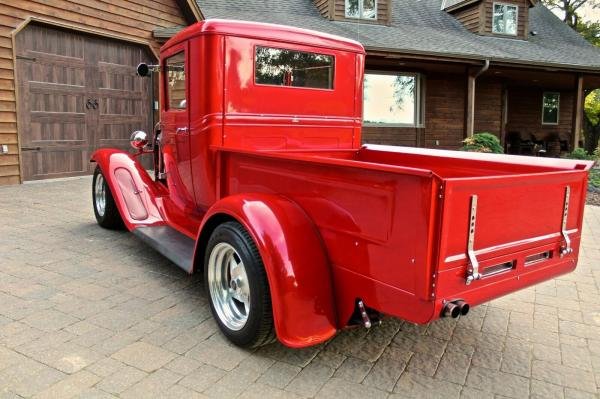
(175, 74)
(281, 67)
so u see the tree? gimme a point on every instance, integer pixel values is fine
(571, 8)
(590, 31)
(592, 120)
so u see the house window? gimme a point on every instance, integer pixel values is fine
(505, 19)
(175, 71)
(392, 100)
(550, 108)
(364, 9)
(280, 67)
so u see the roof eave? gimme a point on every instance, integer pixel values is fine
(468, 58)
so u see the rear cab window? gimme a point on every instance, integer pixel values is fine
(283, 67)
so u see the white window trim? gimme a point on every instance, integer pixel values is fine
(419, 100)
(557, 109)
(360, 11)
(516, 16)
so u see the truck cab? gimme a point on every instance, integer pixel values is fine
(261, 183)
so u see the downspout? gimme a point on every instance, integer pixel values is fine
(470, 122)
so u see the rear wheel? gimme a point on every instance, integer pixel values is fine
(105, 209)
(237, 285)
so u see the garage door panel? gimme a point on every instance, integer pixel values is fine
(58, 133)
(78, 93)
(55, 163)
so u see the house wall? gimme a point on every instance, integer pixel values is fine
(471, 17)
(488, 107)
(444, 117)
(127, 19)
(525, 113)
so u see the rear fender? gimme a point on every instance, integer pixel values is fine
(132, 188)
(294, 258)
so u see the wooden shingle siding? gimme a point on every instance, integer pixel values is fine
(384, 12)
(127, 19)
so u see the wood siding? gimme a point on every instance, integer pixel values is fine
(471, 17)
(477, 17)
(488, 107)
(324, 7)
(522, 17)
(384, 12)
(127, 19)
(525, 113)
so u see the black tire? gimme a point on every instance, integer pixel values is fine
(110, 218)
(258, 329)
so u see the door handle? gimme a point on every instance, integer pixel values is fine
(181, 130)
(30, 148)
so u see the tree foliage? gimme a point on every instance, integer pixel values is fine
(571, 9)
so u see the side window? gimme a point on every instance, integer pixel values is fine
(550, 108)
(280, 67)
(175, 75)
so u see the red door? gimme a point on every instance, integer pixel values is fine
(175, 124)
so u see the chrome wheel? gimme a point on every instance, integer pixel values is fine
(100, 195)
(228, 286)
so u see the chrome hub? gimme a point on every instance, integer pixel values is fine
(228, 286)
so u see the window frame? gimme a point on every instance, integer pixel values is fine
(254, 65)
(557, 108)
(361, 10)
(167, 105)
(516, 6)
(419, 96)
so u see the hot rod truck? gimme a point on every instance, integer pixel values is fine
(261, 182)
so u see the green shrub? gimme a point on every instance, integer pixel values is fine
(597, 153)
(482, 142)
(580, 153)
(594, 179)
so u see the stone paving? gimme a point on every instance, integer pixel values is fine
(91, 313)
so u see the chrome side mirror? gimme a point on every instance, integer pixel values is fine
(138, 140)
(144, 69)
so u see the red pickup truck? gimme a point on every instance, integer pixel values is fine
(261, 182)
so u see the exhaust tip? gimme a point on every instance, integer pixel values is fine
(464, 307)
(451, 310)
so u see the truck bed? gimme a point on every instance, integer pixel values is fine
(406, 213)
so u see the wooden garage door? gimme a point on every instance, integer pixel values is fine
(76, 93)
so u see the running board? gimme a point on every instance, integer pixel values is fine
(170, 243)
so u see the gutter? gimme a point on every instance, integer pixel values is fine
(551, 67)
(484, 68)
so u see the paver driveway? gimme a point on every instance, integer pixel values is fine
(93, 313)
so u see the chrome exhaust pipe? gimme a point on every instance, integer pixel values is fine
(463, 306)
(451, 310)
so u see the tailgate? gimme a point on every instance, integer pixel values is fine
(502, 233)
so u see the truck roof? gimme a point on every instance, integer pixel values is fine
(265, 31)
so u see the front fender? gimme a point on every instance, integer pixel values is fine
(133, 190)
(295, 260)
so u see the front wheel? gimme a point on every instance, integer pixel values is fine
(237, 285)
(105, 209)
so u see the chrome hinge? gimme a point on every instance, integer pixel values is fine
(473, 268)
(566, 249)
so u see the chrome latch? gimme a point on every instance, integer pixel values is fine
(473, 268)
(566, 249)
(363, 314)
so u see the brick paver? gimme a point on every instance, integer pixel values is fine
(87, 312)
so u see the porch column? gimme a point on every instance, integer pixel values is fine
(577, 112)
(470, 117)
